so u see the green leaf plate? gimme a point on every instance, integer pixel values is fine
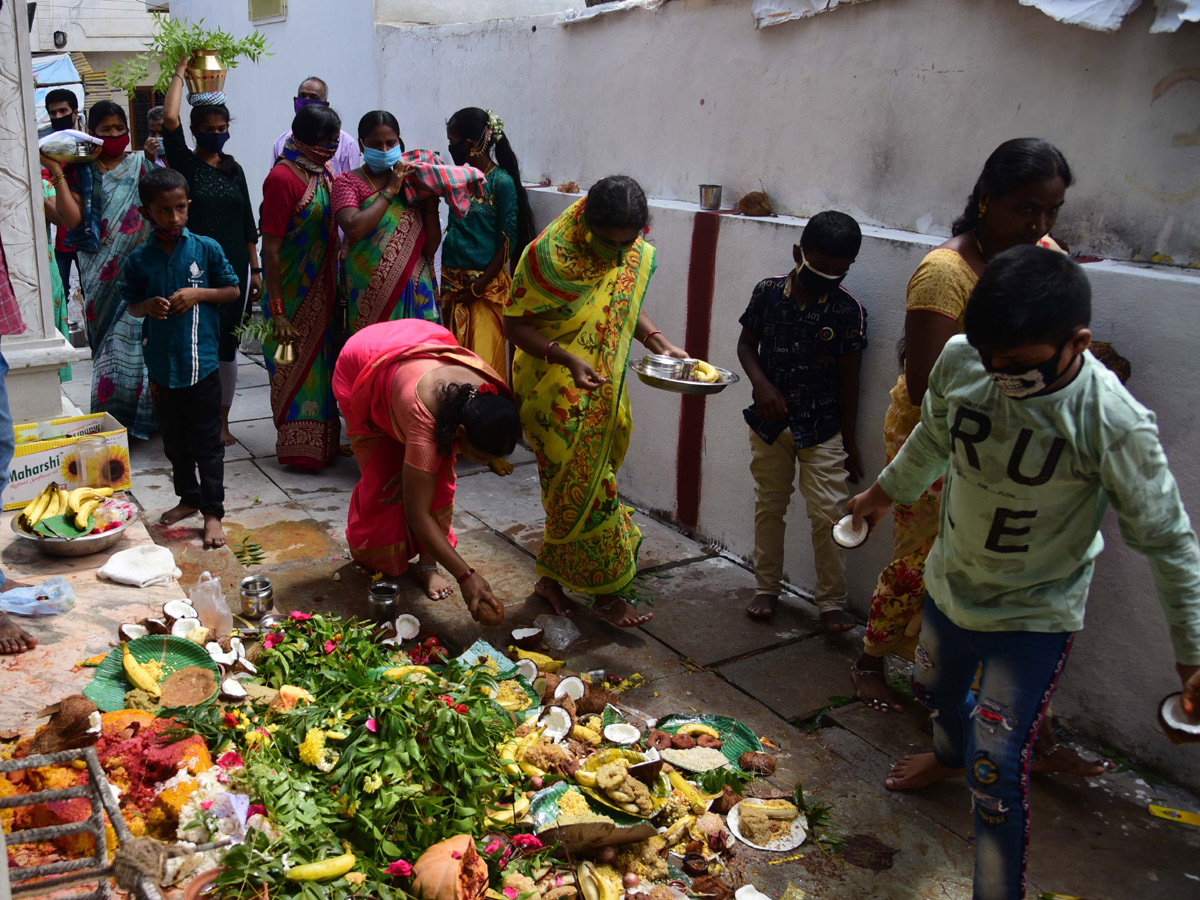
(736, 738)
(504, 666)
(660, 790)
(616, 827)
(109, 685)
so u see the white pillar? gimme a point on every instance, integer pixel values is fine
(33, 357)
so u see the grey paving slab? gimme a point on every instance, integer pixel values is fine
(79, 389)
(699, 611)
(256, 435)
(341, 475)
(507, 505)
(148, 455)
(521, 456)
(250, 403)
(798, 679)
(251, 375)
(288, 534)
(331, 510)
(245, 486)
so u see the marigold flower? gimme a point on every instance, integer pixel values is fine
(355, 878)
(314, 753)
(373, 783)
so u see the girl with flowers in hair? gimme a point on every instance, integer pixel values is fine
(481, 247)
(413, 400)
(300, 259)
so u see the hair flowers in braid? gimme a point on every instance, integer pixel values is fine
(487, 388)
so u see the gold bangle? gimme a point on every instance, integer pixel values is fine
(473, 294)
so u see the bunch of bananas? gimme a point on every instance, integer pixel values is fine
(702, 371)
(56, 501)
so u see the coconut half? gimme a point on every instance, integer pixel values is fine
(621, 733)
(1179, 727)
(174, 610)
(528, 668)
(131, 632)
(183, 627)
(571, 686)
(846, 535)
(231, 689)
(156, 626)
(95, 724)
(556, 723)
(527, 638)
(407, 627)
(236, 646)
(219, 656)
(244, 667)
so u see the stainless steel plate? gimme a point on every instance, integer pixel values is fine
(80, 546)
(683, 386)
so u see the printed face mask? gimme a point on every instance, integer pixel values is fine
(814, 281)
(115, 146)
(212, 141)
(1021, 383)
(173, 233)
(381, 160)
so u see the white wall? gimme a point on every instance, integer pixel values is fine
(450, 12)
(886, 110)
(334, 41)
(91, 25)
(1151, 314)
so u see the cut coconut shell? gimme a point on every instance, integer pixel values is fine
(155, 626)
(572, 686)
(622, 733)
(131, 632)
(190, 686)
(1180, 729)
(557, 723)
(71, 726)
(529, 669)
(594, 701)
(232, 690)
(174, 610)
(407, 627)
(550, 682)
(183, 627)
(527, 638)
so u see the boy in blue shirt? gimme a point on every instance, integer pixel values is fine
(801, 347)
(174, 281)
(1039, 438)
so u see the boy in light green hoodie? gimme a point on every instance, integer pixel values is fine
(1039, 438)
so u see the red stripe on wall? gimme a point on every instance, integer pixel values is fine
(702, 266)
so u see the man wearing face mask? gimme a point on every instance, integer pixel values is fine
(1035, 438)
(314, 91)
(801, 346)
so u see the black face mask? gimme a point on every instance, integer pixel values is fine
(62, 123)
(458, 153)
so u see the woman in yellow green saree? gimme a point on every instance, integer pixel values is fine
(573, 314)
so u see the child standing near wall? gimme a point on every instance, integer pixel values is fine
(1039, 438)
(175, 281)
(801, 347)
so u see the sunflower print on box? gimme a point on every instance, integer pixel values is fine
(112, 472)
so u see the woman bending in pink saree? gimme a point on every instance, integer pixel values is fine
(413, 399)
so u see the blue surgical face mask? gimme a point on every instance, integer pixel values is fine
(212, 141)
(381, 160)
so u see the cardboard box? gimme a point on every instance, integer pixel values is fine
(36, 463)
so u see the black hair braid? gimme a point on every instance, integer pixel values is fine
(617, 202)
(507, 160)
(490, 421)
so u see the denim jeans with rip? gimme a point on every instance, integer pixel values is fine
(992, 735)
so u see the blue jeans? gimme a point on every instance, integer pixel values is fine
(8, 442)
(992, 736)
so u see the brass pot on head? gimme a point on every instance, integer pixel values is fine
(205, 73)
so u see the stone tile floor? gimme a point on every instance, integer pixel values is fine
(785, 678)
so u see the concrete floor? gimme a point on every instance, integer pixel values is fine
(700, 653)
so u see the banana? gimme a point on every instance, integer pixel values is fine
(60, 503)
(585, 778)
(509, 814)
(678, 830)
(81, 495)
(544, 663)
(531, 770)
(85, 512)
(589, 882)
(681, 784)
(36, 509)
(137, 675)
(586, 735)
(775, 809)
(702, 371)
(508, 758)
(325, 870)
(400, 673)
(695, 728)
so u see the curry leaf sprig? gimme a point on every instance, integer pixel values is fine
(174, 40)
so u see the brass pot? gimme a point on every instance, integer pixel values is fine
(204, 73)
(285, 354)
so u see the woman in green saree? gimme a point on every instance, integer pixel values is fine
(574, 312)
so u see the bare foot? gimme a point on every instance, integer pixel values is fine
(178, 514)
(616, 610)
(227, 437)
(917, 771)
(11, 584)
(1051, 756)
(837, 621)
(870, 682)
(551, 591)
(214, 534)
(14, 639)
(762, 606)
(427, 575)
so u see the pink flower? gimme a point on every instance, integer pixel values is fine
(527, 842)
(105, 388)
(131, 223)
(300, 616)
(461, 709)
(230, 760)
(400, 867)
(256, 809)
(272, 640)
(110, 270)
(492, 847)
(206, 805)
(510, 893)
(330, 646)
(372, 726)
(455, 854)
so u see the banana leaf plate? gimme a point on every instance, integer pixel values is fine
(659, 791)
(109, 685)
(736, 738)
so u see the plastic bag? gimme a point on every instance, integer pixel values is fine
(209, 600)
(54, 595)
(559, 631)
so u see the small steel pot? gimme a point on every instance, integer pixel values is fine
(382, 600)
(257, 596)
(710, 196)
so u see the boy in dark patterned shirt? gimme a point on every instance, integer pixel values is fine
(801, 346)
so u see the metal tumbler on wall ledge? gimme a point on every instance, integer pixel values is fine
(205, 73)
(710, 196)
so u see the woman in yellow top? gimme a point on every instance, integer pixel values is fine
(1015, 201)
(573, 314)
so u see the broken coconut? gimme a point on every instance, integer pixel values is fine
(572, 686)
(556, 723)
(622, 733)
(174, 610)
(528, 668)
(846, 535)
(155, 626)
(131, 632)
(450, 870)
(219, 656)
(527, 638)
(189, 686)
(1180, 728)
(407, 627)
(183, 627)
(231, 689)
(244, 667)
(74, 722)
